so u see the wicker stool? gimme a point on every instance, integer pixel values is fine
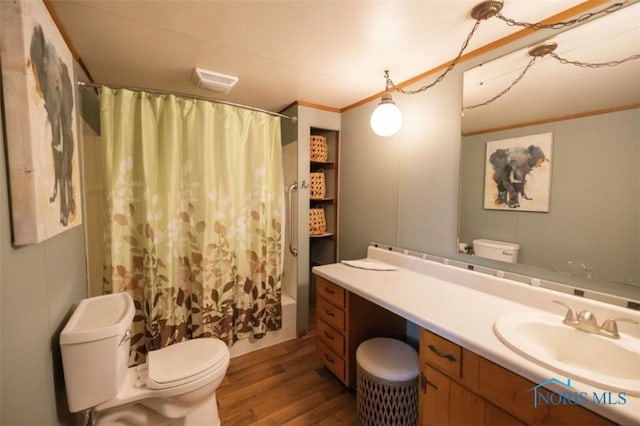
(387, 383)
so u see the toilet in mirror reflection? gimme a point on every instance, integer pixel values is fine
(496, 250)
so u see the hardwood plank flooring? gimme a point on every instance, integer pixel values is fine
(285, 384)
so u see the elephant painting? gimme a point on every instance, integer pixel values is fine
(511, 167)
(54, 87)
(511, 182)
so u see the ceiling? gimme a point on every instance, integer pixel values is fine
(331, 53)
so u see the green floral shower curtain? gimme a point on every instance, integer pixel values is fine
(194, 211)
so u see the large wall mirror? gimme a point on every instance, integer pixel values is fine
(590, 229)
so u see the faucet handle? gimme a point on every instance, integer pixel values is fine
(610, 326)
(588, 319)
(572, 316)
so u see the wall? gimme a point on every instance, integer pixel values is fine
(594, 168)
(368, 198)
(403, 190)
(39, 284)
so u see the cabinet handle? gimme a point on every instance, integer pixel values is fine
(442, 355)
(328, 336)
(329, 359)
(328, 290)
(424, 382)
(329, 313)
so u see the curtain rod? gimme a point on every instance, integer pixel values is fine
(294, 119)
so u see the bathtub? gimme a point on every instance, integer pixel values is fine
(287, 332)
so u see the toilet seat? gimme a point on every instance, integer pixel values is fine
(136, 387)
(184, 362)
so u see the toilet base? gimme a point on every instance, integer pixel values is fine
(130, 415)
(204, 414)
(137, 414)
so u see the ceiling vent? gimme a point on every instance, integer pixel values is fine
(210, 80)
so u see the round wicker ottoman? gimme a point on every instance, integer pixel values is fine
(387, 392)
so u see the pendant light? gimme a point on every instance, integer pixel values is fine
(386, 119)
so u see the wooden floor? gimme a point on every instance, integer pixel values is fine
(285, 384)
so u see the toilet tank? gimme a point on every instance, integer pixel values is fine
(496, 250)
(95, 349)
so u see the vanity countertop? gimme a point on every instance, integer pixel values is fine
(462, 306)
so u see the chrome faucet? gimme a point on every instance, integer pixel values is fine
(586, 321)
(610, 327)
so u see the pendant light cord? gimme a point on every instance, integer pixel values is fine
(452, 64)
(560, 25)
(516, 81)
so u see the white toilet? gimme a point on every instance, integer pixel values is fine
(496, 250)
(175, 387)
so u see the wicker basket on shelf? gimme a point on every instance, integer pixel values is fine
(318, 148)
(317, 221)
(318, 188)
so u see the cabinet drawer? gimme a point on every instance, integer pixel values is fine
(440, 353)
(330, 337)
(332, 361)
(330, 291)
(330, 314)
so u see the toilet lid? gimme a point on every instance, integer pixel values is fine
(184, 362)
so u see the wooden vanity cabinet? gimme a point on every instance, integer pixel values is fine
(458, 387)
(344, 320)
(447, 377)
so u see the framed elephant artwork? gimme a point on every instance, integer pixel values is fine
(518, 173)
(40, 123)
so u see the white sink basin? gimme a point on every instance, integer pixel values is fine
(609, 364)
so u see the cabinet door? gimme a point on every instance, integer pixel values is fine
(434, 397)
(494, 416)
(466, 408)
(568, 415)
(506, 390)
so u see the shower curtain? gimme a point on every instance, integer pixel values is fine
(193, 220)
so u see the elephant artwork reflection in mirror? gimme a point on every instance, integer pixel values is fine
(518, 173)
(510, 169)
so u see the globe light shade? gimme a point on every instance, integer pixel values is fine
(386, 119)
